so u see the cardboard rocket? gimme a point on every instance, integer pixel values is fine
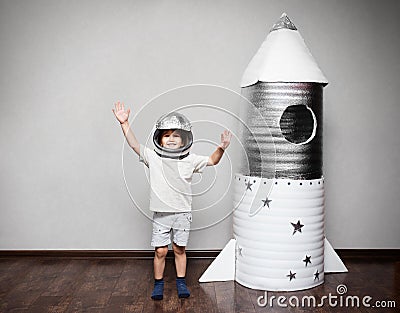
(278, 221)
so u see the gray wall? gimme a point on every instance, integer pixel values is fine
(64, 63)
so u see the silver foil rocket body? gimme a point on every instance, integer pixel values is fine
(283, 138)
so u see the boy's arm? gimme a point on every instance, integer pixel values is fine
(122, 116)
(217, 155)
(130, 137)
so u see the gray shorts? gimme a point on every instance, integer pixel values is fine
(165, 224)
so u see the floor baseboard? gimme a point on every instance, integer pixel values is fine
(135, 254)
(197, 254)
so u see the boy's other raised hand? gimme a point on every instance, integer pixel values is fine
(225, 139)
(120, 113)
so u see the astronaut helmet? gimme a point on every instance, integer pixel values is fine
(173, 121)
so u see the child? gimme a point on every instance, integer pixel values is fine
(171, 168)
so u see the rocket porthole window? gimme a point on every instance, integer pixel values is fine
(298, 124)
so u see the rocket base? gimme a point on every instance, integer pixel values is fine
(279, 240)
(217, 271)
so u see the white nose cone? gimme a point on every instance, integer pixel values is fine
(283, 57)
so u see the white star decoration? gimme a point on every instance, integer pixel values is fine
(291, 275)
(307, 259)
(266, 202)
(248, 186)
(297, 227)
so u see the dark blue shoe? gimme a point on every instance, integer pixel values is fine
(158, 290)
(183, 291)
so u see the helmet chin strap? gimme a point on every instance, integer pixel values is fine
(171, 156)
(171, 153)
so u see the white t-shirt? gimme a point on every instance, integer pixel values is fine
(170, 180)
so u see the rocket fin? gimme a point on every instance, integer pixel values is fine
(332, 262)
(223, 267)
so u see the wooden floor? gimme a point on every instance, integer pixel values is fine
(124, 285)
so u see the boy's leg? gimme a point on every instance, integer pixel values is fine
(159, 266)
(159, 261)
(181, 230)
(180, 265)
(180, 259)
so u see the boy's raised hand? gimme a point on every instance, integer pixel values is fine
(120, 113)
(225, 139)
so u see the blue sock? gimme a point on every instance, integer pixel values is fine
(183, 291)
(158, 290)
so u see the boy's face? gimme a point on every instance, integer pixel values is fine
(171, 139)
